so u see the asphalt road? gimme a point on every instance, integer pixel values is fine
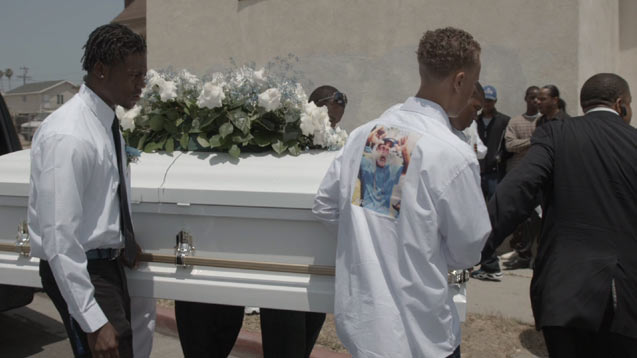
(36, 331)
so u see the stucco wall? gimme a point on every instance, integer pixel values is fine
(366, 48)
(628, 48)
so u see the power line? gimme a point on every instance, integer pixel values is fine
(24, 76)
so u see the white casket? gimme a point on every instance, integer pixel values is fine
(256, 241)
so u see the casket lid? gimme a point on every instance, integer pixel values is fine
(258, 180)
(255, 180)
(14, 173)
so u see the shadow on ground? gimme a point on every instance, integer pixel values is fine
(533, 341)
(24, 332)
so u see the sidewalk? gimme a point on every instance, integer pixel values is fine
(508, 298)
(248, 344)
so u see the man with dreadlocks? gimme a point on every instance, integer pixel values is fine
(79, 212)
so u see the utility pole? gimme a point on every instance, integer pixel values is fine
(24, 76)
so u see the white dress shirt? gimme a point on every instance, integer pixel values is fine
(73, 200)
(473, 139)
(391, 295)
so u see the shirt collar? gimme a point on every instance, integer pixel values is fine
(99, 108)
(427, 108)
(602, 109)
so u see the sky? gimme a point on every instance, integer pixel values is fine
(47, 36)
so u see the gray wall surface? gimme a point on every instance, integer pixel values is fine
(366, 48)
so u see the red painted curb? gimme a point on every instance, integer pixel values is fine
(248, 342)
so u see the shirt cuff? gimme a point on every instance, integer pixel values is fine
(92, 319)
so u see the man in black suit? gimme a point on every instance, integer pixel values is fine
(491, 128)
(584, 287)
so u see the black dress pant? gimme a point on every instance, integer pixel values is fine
(289, 334)
(207, 330)
(210, 330)
(111, 294)
(570, 342)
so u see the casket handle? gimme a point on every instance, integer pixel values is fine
(183, 247)
(22, 240)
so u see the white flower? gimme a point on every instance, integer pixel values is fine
(211, 96)
(168, 90)
(127, 118)
(218, 79)
(270, 99)
(300, 94)
(188, 77)
(155, 82)
(259, 76)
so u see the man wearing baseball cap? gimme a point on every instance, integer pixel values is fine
(491, 128)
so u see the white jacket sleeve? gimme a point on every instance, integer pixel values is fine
(326, 202)
(463, 219)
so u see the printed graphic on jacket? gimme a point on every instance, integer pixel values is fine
(383, 166)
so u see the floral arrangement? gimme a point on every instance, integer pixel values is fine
(240, 110)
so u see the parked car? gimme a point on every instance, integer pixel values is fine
(11, 296)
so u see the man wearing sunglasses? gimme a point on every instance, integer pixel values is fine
(333, 99)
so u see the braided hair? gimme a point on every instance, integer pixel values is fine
(110, 44)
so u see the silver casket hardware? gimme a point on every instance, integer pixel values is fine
(22, 240)
(183, 247)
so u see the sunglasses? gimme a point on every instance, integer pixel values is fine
(336, 97)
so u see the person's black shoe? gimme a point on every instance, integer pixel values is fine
(517, 263)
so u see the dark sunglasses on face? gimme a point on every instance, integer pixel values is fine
(336, 97)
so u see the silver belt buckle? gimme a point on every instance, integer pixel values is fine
(456, 277)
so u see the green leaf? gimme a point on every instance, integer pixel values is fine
(170, 127)
(234, 151)
(156, 122)
(291, 117)
(150, 147)
(294, 150)
(241, 121)
(215, 141)
(170, 145)
(226, 129)
(279, 147)
(183, 141)
(172, 115)
(140, 144)
(192, 145)
(201, 139)
(179, 121)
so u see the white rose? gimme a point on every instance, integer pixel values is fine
(167, 90)
(307, 127)
(127, 118)
(211, 96)
(270, 99)
(259, 76)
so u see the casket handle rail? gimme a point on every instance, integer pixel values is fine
(23, 248)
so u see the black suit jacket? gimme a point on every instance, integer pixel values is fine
(586, 168)
(492, 136)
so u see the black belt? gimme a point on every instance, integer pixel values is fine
(103, 254)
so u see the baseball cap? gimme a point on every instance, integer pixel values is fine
(490, 93)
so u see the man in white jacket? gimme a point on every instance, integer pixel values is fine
(392, 262)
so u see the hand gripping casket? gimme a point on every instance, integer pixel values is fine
(212, 229)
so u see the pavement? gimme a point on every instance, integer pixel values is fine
(40, 322)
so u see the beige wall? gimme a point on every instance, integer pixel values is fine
(17, 104)
(40, 102)
(628, 48)
(366, 48)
